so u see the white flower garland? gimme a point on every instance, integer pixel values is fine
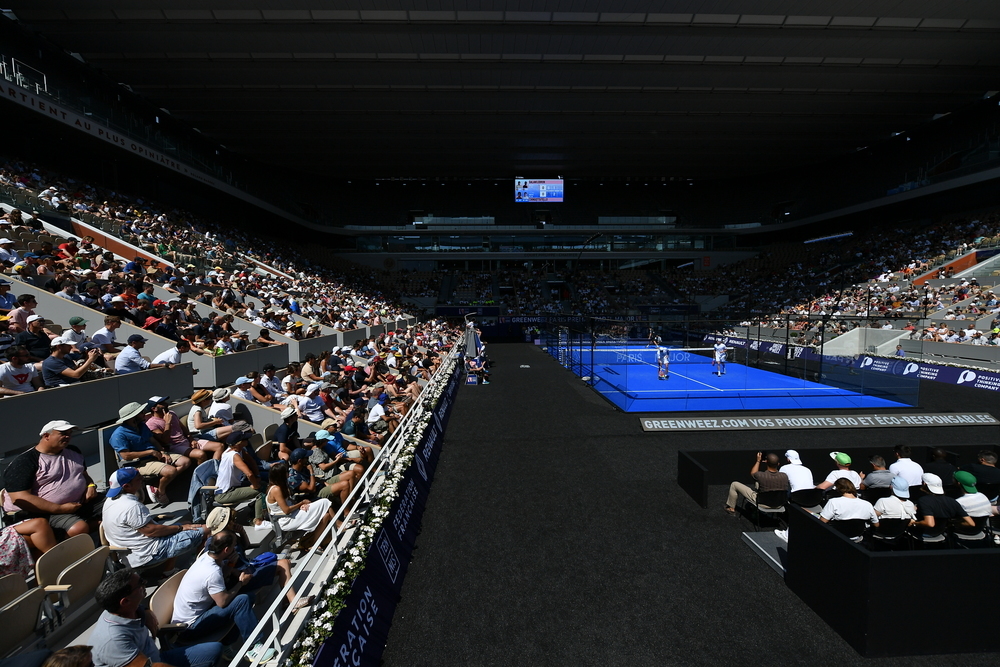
(331, 598)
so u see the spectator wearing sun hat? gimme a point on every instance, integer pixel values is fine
(50, 480)
(128, 523)
(220, 407)
(134, 445)
(843, 471)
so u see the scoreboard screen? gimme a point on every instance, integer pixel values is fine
(538, 190)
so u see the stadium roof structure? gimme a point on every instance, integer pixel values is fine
(689, 89)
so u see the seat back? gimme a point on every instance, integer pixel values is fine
(969, 532)
(269, 432)
(772, 499)
(872, 495)
(807, 497)
(19, 619)
(989, 490)
(85, 574)
(263, 452)
(850, 527)
(256, 440)
(162, 602)
(50, 565)
(12, 587)
(890, 529)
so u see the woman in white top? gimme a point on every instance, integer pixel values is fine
(312, 516)
(239, 478)
(199, 425)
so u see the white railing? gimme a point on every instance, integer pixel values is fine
(279, 629)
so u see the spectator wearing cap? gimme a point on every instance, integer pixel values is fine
(243, 384)
(35, 339)
(334, 442)
(799, 476)
(130, 361)
(287, 434)
(937, 509)
(7, 299)
(58, 369)
(898, 505)
(239, 477)
(19, 316)
(323, 476)
(171, 433)
(906, 467)
(8, 256)
(106, 337)
(972, 501)
(220, 407)
(200, 425)
(19, 375)
(311, 407)
(128, 523)
(50, 480)
(843, 471)
(118, 307)
(77, 332)
(133, 443)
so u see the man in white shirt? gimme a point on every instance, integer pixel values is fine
(105, 337)
(202, 600)
(173, 355)
(898, 505)
(271, 383)
(799, 476)
(220, 408)
(127, 523)
(843, 471)
(905, 467)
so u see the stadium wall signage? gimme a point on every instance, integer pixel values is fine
(674, 424)
(361, 629)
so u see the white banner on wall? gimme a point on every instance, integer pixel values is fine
(816, 422)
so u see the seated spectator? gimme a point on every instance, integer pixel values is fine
(766, 480)
(220, 407)
(799, 476)
(105, 337)
(172, 356)
(271, 384)
(265, 340)
(130, 361)
(19, 375)
(382, 419)
(311, 407)
(59, 370)
(133, 443)
(34, 339)
(171, 433)
(287, 435)
(239, 477)
(205, 604)
(19, 316)
(7, 300)
(476, 367)
(334, 442)
(843, 471)
(937, 509)
(898, 505)
(972, 501)
(984, 470)
(321, 476)
(879, 477)
(128, 523)
(50, 480)
(939, 465)
(906, 467)
(22, 543)
(77, 332)
(124, 634)
(243, 384)
(311, 516)
(200, 425)
(847, 506)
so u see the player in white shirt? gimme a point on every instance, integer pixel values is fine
(719, 358)
(662, 359)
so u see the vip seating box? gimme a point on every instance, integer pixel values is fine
(952, 593)
(697, 470)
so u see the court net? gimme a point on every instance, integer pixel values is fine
(624, 355)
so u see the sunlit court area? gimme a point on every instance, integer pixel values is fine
(403, 334)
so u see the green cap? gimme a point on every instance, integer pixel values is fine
(841, 458)
(966, 480)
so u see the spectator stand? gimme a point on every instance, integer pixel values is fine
(113, 243)
(819, 564)
(222, 371)
(60, 310)
(331, 574)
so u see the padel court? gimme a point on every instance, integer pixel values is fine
(628, 377)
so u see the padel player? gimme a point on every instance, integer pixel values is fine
(662, 359)
(719, 361)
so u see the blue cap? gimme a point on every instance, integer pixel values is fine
(243, 379)
(900, 486)
(383, 398)
(323, 435)
(298, 454)
(120, 478)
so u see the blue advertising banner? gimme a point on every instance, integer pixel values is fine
(361, 629)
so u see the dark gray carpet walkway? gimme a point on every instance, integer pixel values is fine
(555, 534)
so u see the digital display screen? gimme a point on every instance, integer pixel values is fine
(538, 190)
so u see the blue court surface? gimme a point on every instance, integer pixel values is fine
(628, 377)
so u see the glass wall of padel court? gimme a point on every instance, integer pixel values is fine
(695, 365)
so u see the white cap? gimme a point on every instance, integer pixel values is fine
(57, 425)
(59, 340)
(933, 483)
(793, 456)
(32, 318)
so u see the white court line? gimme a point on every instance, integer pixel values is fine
(692, 380)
